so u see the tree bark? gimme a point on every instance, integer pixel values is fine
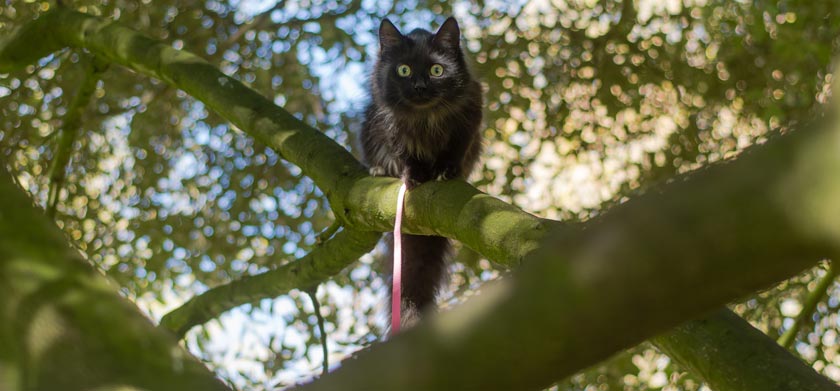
(63, 326)
(731, 355)
(498, 230)
(320, 264)
(646, 265)
(584, 292)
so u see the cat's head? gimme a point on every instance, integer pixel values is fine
(420, 70)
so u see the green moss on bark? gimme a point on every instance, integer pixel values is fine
(731, 355)
(63, 326)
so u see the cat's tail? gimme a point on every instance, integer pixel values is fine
(423, 270)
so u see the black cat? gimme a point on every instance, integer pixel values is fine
(422, 124)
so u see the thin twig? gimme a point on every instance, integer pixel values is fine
(257, 21)
(61, 54)
(328, 233)
(70, 130)
(814, 298)
(323, 334)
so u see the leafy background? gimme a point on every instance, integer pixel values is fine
(587, 103)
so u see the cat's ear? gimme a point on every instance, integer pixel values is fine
(449, 35)
(389, 36)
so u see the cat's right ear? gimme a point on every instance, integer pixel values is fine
(449, 34)
(389, 36)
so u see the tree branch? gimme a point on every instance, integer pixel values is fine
(322, 332)
(70, 129)
(327, 233)
(63, 326)
(731, 355)
(642, 267)
(499, 231)
(258, 21)
(735, 228)
(810, 306)
(244, 107)
(320, 264)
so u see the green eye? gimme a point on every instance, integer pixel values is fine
(404, 70)
(436, 70)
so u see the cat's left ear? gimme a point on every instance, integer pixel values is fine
(449, 34)
(389, 36)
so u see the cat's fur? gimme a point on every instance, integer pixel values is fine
(418, 128)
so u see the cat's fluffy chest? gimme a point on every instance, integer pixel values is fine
(425, 110)
(422, 135)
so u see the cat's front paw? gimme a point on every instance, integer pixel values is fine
(448, 172)
(410, 184)
(445, 176)
(377, 171)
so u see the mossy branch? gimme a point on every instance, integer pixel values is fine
(322, 330)
(643, 267)
(320, 264)
(499, 231)
(814, 298)
(731, 355)
(63, 326)
(724, 233)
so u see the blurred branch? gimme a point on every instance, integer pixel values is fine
(316, 308)
(320, 264)
(628, 13)
(38, 68)
(731, 355)
(258, 22)
(814, 298)
(70, 128)
(63, 326)
(263, 21)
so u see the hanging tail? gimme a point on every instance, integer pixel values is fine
(423, 270)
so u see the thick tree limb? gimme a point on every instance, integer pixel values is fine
(64, 327)
(244, 107)
(731, 355)
(322, 263)
(498, 230)
(641, 268)
(586, 292)
(477, 216)
(505, 234)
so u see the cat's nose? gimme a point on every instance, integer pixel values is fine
(420, 85)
